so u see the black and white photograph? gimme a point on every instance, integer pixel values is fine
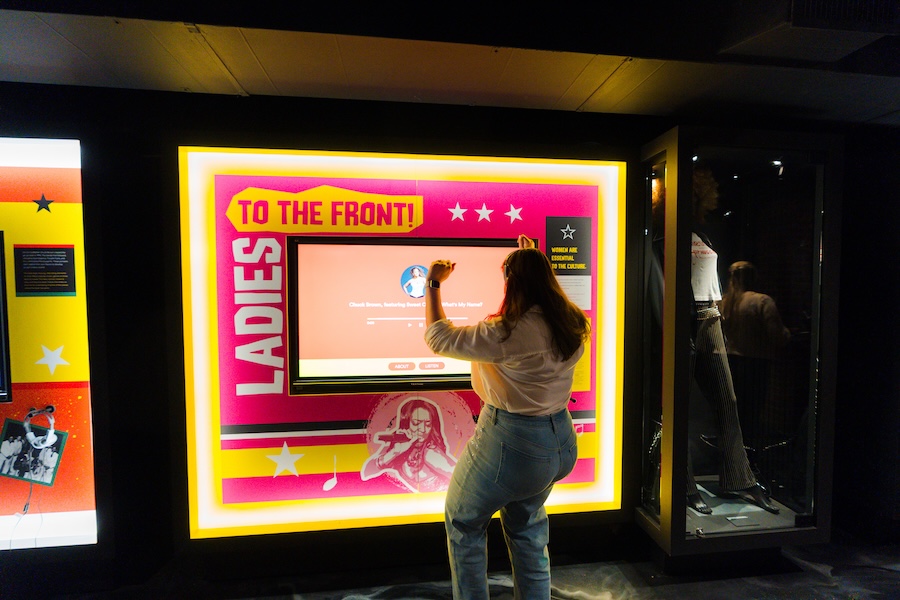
(30, 455)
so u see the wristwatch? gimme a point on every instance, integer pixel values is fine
(434, 283)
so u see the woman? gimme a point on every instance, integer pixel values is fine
(750, 319)
(415, 285)
(416, 451)
(755, 338)
(523, 360)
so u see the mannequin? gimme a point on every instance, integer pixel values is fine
(709, 361)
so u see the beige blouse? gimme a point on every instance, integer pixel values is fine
(521, 374)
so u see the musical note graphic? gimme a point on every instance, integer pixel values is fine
(329, 485)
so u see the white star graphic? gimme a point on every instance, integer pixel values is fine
(457, 212)
(568, 231)
(52, 358)
(285, 461)
(484, 213)
(513, 213)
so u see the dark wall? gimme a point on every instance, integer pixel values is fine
(867, 444)
(129, 140)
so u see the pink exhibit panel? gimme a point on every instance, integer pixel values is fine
(304, 322)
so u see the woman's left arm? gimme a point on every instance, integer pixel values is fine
(478, 342)
(438, 273)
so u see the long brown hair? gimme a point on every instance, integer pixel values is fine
(530, 281)
(743, 279)
(705, 193)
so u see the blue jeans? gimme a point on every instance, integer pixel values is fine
(510, 465)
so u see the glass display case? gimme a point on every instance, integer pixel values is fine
(738, 339)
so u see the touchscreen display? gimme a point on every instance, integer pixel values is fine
(357, 309)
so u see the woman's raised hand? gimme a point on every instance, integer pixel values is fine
(440, 270)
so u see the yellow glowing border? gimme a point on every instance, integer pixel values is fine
(209, 517)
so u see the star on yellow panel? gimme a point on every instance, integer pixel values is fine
(285, 461)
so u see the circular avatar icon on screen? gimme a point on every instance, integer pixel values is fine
(413, 281)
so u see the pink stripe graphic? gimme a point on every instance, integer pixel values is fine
(348, 485)
(583, 472)
(304, 487)
(585, 427)
(294, 442)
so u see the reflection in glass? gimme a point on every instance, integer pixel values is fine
(756, 339)
(653, 336)
(753, 361)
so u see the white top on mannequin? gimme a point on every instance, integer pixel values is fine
(704, 271)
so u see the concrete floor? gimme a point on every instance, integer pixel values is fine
(845, 569)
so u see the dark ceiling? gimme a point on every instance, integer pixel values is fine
(836, 60)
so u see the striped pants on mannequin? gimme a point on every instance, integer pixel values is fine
(709, 365)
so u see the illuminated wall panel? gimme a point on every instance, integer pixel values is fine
(266, 454)
(47, 495)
